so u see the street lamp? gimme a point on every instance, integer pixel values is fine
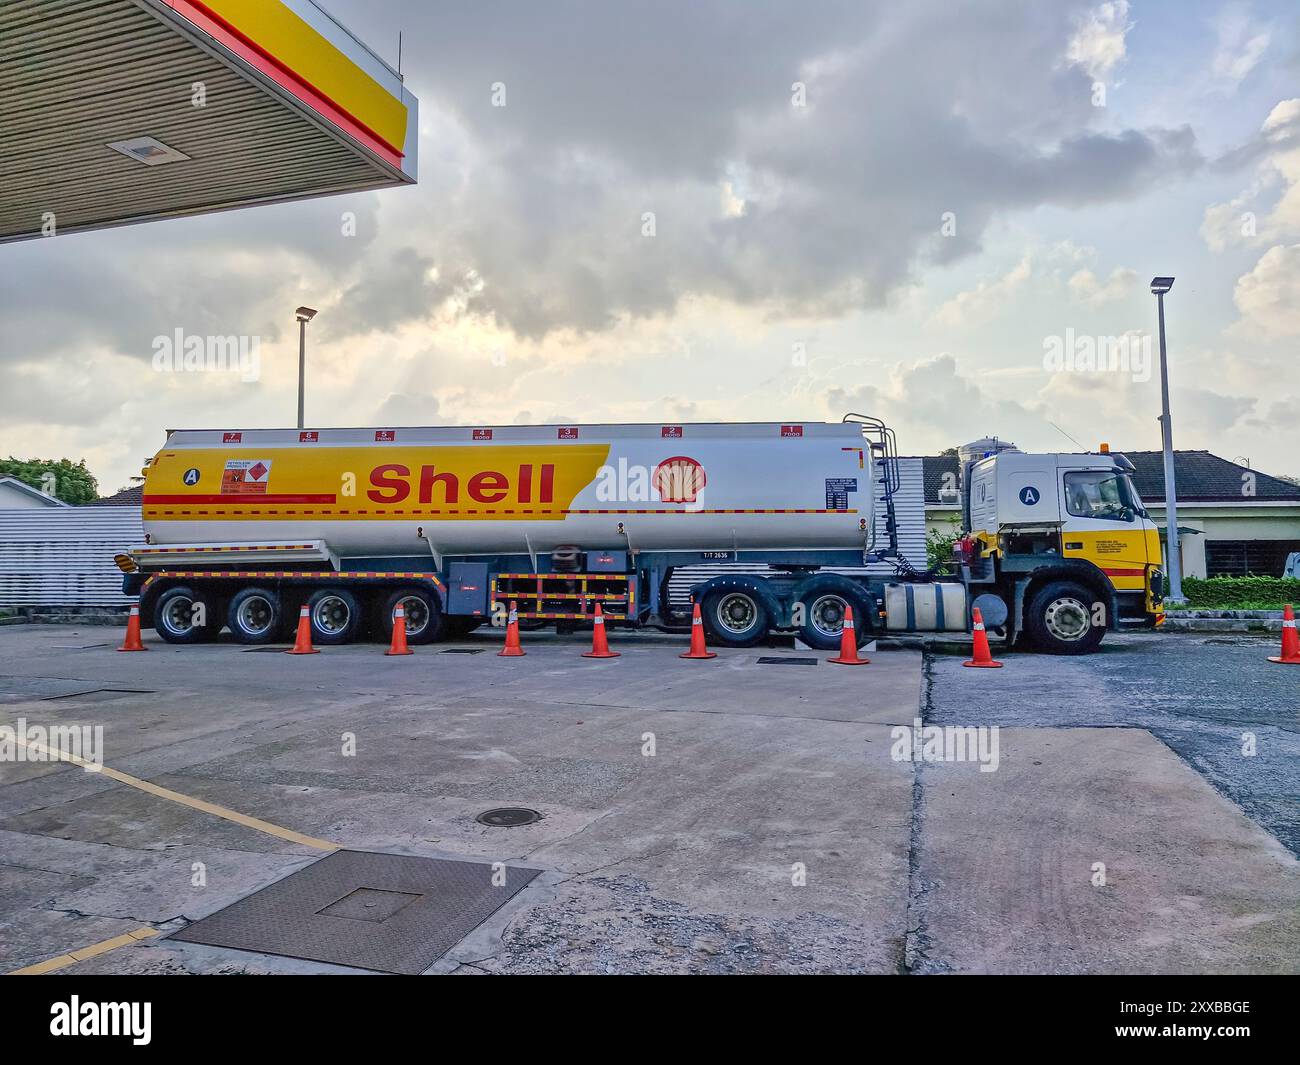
(1174, 567)
(304, 315)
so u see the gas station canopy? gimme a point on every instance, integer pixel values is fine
(122, 111)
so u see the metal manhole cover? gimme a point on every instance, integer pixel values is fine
(772, 661)
(508, 817)
(392, 913)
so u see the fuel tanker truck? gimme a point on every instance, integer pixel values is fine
(244, 527)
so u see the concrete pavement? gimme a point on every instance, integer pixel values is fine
(719, 816)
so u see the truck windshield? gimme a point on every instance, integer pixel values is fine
(1107, 494)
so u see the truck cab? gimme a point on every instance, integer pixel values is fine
(1065, 541)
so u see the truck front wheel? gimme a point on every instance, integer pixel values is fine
(1062, 619)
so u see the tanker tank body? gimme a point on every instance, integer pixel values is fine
(440, 518)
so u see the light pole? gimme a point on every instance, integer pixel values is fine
(304, 315)
(1173, 565)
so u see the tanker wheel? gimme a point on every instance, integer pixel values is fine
(823, 601)
(335, 616)
(424, 618)
(735, 617)
(183, 616)
(255, 615)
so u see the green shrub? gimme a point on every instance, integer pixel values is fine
(1241, 593)
(938, 550)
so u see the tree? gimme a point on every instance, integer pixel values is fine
(62, 478)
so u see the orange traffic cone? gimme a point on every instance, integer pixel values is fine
(302, 645)
(133, 641)
(849, 643)
(599, 642)
(512, 648)
(983, 658)
(698, 650)
(398, 646)
(1290, 639)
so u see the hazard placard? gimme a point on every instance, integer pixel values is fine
(246, 477)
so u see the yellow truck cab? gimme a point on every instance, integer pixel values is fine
(1062, 540)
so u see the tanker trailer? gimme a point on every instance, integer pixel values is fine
(243, 527)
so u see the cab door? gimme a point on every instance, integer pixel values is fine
(1103, 522)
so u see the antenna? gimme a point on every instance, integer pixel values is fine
(399, 53)
(1066, 435)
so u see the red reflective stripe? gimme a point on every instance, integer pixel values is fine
(1124, 572)
(243, 500)
(202, 16)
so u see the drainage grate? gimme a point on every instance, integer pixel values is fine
(463, 651)
(391, 913)
(770, 661)
(508, 817)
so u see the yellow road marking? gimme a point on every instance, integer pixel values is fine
(93, 951)
(185, 800)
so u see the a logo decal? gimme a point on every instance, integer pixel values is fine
(679, 479)
(1029, 495)
(191, 476)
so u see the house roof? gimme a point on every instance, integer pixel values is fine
(939, 470)
(1206, 478)
(127, 497)
(1202, 478)
(22, 486)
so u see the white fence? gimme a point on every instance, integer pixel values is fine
(63, 557)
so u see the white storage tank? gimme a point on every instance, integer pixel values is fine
(925, 607)
(513, 489)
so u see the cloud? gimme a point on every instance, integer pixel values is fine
(1085, 287)
(1269, 296)
(1276, 152)
(939, 406)
(796, 211)
(1098, 42)
(1241, 43)
(983, 301)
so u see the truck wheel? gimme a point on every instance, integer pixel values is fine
(335, 616)
(1060, 619)
(255, 615)
(424, 618)
(182, 615)
(735, 617)
(823, 601)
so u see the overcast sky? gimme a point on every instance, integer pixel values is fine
(903, 236)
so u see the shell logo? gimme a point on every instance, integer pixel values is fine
(679, 479)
